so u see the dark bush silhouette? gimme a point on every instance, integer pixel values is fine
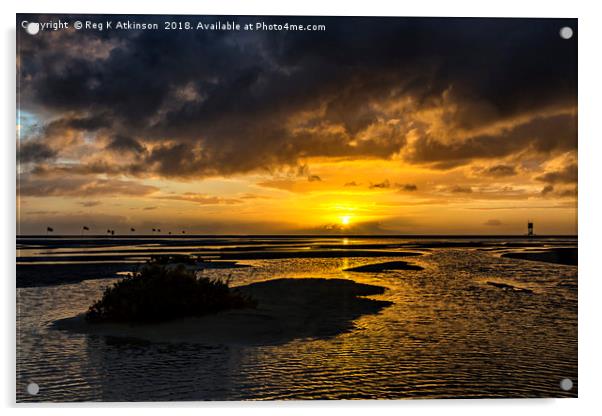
(160, 292)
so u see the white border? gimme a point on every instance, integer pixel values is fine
(590, 137)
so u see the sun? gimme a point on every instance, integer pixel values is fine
(345, 219)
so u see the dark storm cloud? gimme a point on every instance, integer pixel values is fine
(80, 187)
(567, 174)
(540, 135)
(174, 160)
(215, 103)
(500, 171)
(91, 123)
(125, 144)
(33, 151)
(84, 123)
(92, 168)
(548, 189)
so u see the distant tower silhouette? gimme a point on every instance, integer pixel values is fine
(530, 228)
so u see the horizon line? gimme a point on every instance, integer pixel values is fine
(121, 236)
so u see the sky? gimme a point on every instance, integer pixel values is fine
(371, 126)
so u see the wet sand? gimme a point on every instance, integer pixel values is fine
(566, 256)
(30, 275)
(287, 309)
(384, 267)
(506, 286)
(226, 255)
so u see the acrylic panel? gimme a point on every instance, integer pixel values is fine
(295, 208)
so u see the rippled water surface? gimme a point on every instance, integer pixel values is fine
(449, 333)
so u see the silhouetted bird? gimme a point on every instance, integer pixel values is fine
(158, 230)
(183, 232)
(112, 232)
(49, 229)
(85, 228)
(154, 230)
(132, 229)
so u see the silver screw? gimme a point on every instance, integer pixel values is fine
(566, 32)
(566, 384)
(33, 389)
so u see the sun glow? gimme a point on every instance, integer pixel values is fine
(345, 219)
